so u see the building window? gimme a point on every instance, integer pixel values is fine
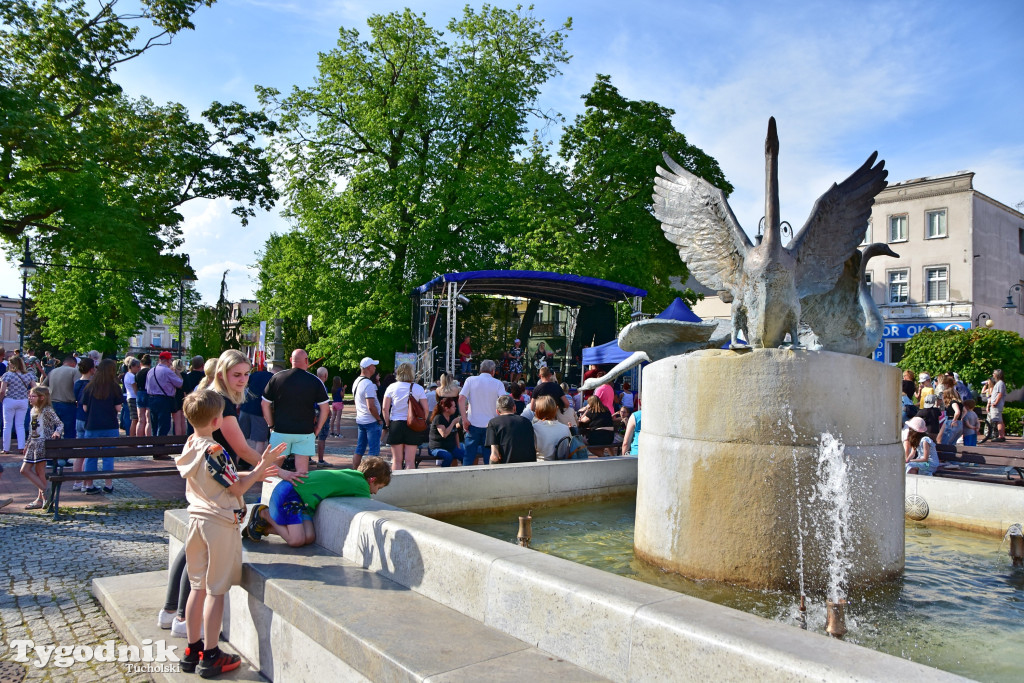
(936, 284)
(898, 228)
(158, 339)
(935, 224)
(868, 278)
(1020, 240)
(899, 286)
(867, 234)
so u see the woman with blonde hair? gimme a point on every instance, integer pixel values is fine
(547, 430)
(403, 441)
(209, 370)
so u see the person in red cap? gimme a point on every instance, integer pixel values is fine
(161, 384)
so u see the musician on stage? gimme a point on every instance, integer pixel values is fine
(465, 354)
(515, 361)
(542, 358)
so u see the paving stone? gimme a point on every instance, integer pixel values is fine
(47, 581)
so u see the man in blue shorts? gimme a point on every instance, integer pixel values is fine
(290, 513)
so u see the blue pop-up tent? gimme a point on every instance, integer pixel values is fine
(611, 353)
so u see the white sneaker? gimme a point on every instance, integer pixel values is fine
(178, 629)
(164, 619)
(78, 487)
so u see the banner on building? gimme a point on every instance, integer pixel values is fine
(904, 331)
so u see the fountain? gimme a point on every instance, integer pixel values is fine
(732, 434)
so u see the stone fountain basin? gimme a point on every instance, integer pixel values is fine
(620, 629)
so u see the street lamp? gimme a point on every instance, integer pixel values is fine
(188, 276)
(27, 268)
(983, 316)
(1009, 296)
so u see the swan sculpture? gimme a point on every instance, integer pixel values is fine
(846, 319)
(766, 281)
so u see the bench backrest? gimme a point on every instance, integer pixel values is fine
(981, 455)
(115, 447)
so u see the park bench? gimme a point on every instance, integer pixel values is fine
(58, 451)
(979, 463)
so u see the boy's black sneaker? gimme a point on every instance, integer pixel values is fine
(190, 660)
(255, 528)
(214, 663)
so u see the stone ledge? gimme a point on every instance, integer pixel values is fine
(378, 628)
(970, 505)
(625, 629)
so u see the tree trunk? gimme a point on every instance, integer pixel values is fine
(526, 325)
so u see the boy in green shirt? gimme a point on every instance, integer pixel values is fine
(290, 513)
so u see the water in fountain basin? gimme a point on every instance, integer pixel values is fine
(960, 606)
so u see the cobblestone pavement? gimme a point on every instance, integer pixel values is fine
(46, 574)
(47, 567)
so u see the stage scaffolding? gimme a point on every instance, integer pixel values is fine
(443, 297)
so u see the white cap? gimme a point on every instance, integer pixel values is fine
(518, 342)
(367, 362)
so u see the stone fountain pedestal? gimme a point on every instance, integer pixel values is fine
(726, 437)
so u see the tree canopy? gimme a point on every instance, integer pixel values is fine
(973, 354)
(96, 177)
(417, 152)
(396, 163)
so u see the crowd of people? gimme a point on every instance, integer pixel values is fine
(487, 420)
(944, 410)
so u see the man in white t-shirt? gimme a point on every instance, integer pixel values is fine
(478, 402)
(368, 423)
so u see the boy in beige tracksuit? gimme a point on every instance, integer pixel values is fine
(213, 548)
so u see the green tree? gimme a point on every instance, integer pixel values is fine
(78, 158)
(608, 158)
(397, 166)
(973, 354)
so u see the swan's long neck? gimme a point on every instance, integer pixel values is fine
(772, 223)
(872, 316)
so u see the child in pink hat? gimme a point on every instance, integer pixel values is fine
(922, 456)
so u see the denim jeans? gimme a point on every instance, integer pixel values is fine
(368, 437)
(447, 456)
(465, 367)
(108, 463)
(66, 413)
(476, 440)
(160, 413)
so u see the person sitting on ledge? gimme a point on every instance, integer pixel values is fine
(922, 456)
(290, 513)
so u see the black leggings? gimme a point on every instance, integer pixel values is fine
(178, 587)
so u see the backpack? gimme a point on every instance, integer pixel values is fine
(571, 447)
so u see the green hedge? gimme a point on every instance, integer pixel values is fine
(1012, 418)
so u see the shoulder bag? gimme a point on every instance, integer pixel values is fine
(416, 419)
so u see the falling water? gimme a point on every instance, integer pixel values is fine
(799, 509)
(833, 492)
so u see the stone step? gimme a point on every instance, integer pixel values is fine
(308, 614)
(132, 602)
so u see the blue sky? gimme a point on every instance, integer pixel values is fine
(935, 87)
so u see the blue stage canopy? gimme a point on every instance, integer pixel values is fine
(611, 353)
(558, 288)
